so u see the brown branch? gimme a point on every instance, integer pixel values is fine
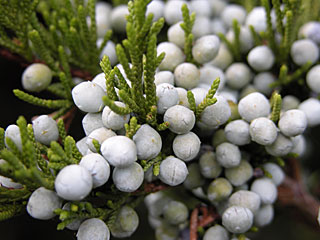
(208, 216)
(151, 187)
(5, 53)
(194, 224)
(293, 193)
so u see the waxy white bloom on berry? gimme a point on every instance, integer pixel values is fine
(280, 147)
(87, 96)
(261, 58)
(201, 7)
(148, 142)
(13, 132)
(237, 132)
(219, 189)
(126, 223)
(91, 121)
(206, 48)
(128, 178)
(228, 155)
(181, 119)
(209, 166)
(311, 30)
(303, 51)
(246, 40)
(216, 114)
(186, 146)
(238, 75)
(276, 172)
(174, 55)
(175, 212)
(262, 82)
(118, 18)
(100, 134)
(42, 203)
(240, 174)
(266, 189)
(112, 120)
(263, 131)
(167, 96)
(290, 102)
(45, 129)
(199, 94)
(233, 12)
(313, 78)
(36, 77)
(164, 77)
(223, 59)
(73, 183)
(237, 219)
(176, 35)
(247, 199)
(109, 50)
(173, 171)
(120, 151)
(209, 73)
(156, 7)
(293, 122)
(258, 19)
(216, 232)
(93, 229)
(103, 21)
(264, 215)
(172, 11)
(98, 167)
(100, 79)
(201, 27)
(186, 75)
(183, 97)
(253, 106)
(311, 107)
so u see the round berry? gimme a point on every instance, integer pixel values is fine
(93, 229)
(112, 120)
(42, 203)
(186, 75)
(167, 96)
(240, 174)
(175, 212)
(233, 12)
(280, 147)
(293, 122)
(73, 183)
(304, 50)
(313, 78)
(91, 121)
(186, 146)
(216, 232)
(87, 96)
(228, 155)
(173, 171)
(261, 58)
(238, 75)
(206, 48)
(253, 106)
(36, 77)
(181, 119)
(13, 132)
(98, 167)
(237, 219)
(129, 178)
(173, 55)
(118, 18)
(237, 132)
(126, 223)
(264, 215)
(99, 134)
(247, 199)
(266, 189)
(219, 189)
(120, 151)
(311, 107)
(45, 129)
(209, 166)
(263, 131)
(148, 142)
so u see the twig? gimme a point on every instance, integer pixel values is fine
(5, 53)
(293, 193)
(208, 216)
(151, 187)
(194, 224)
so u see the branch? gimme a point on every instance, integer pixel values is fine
(209, 215)
(5, 53)
(293, 193)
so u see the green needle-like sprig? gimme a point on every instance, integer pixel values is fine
(187, 25)
(276, 103)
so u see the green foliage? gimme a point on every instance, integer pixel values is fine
(187, 25)
(276, 102)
